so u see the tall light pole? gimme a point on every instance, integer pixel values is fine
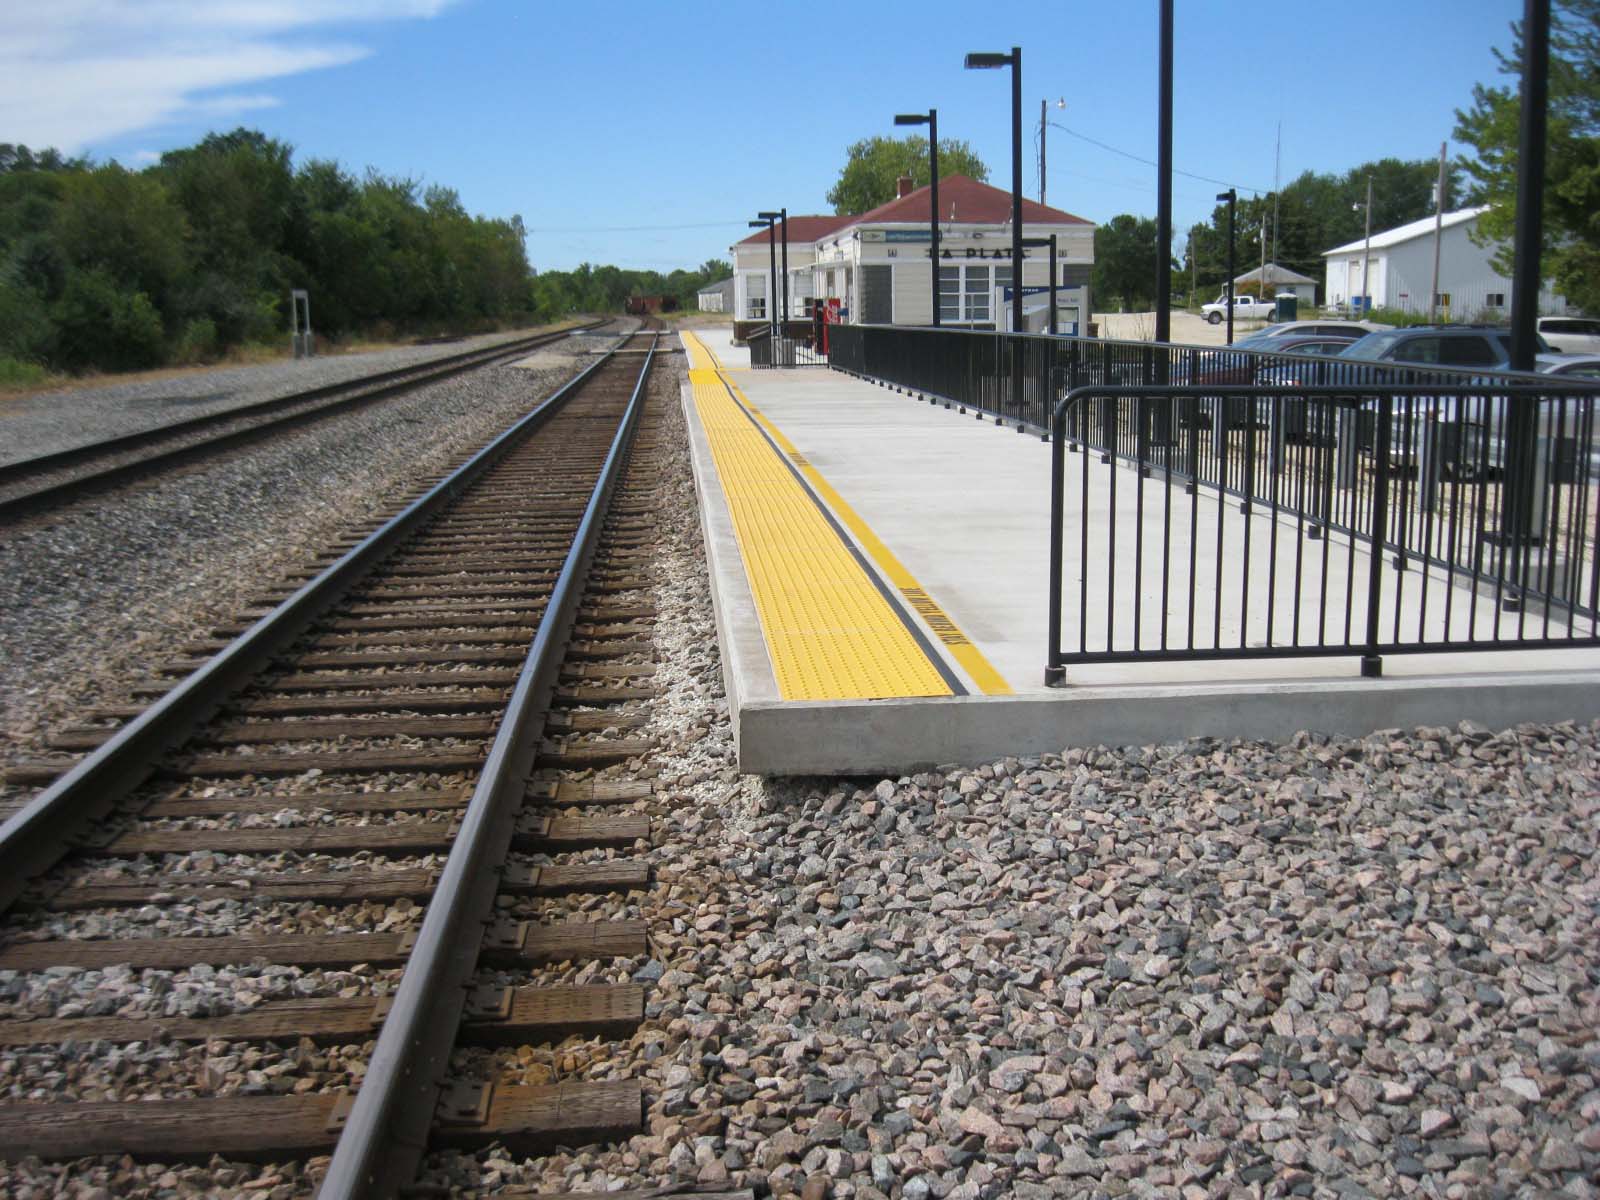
(1521, 509)
(768, 219)
(986, 61)
(1232, 197)
(1164, 190)
(931, 120)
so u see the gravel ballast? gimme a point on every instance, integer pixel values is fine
(45, 422)
(90, 596)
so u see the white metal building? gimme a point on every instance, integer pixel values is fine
(876, 264)
(716, 297)
(1401, 270)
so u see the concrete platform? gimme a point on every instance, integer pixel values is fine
(960, 507)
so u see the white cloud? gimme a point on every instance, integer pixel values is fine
(77, 72)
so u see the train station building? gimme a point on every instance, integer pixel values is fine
(874, 266)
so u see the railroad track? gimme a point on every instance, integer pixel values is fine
(373, 801)
(51, 480)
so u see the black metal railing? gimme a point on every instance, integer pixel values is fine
(1366, 519)
(785, 350)
(1284, 505)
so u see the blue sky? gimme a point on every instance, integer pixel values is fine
(645, 135)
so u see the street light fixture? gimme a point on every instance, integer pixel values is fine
(1232, 197)
(985, 61)
(768, 219)
(931, 120)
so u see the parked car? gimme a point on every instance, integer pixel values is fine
(1575, 335)
(1465, 424)
(1245, 308)
(1438, 346)
(1303, 421)
(1582, 366)
(1345, 329)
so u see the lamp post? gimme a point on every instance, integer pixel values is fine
(783, 218)
(986, 61)
(1232, 197)
(931, 120)
(769, 219)
(1164, 192)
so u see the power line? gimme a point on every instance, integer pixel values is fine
(628, 228)
(1187, 174)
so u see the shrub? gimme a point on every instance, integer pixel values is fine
(197, 343)
(16, 373)
(99, 325)
(1398, 317)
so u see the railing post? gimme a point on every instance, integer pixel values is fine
(1429, 451)
(1371, 662)
(1345, 448)
(1219, 438)
(1055, 672)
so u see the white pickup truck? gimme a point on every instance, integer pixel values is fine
(1245, 308)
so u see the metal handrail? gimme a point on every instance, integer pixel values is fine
(1517, 506)
(387, 1130)
(36, 836)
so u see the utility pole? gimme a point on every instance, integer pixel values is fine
(1194, 272)
(1261, 284)
(1438, 228)
(1042, 106)
(1366, 257)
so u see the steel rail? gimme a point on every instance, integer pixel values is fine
(35, 837)
(386, 1132)
(364, 390)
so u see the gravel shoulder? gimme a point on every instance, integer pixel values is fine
(44, 422)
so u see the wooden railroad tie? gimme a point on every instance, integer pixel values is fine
(527, 1120)
(494, 1016)
(571, 941)
(534, 831)
(331, 887)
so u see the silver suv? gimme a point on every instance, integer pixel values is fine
(1438, 346)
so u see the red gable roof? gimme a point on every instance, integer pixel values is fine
(964, 199)
(801, 229)
(961, 199)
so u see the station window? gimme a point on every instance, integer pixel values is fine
(965, 291)
(1495, 300)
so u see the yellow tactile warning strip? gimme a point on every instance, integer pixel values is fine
(825, 628)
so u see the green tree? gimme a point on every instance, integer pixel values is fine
(124, 226)
(1312, 214)
(873, 166)
(1125, 258)
(1571, 252)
